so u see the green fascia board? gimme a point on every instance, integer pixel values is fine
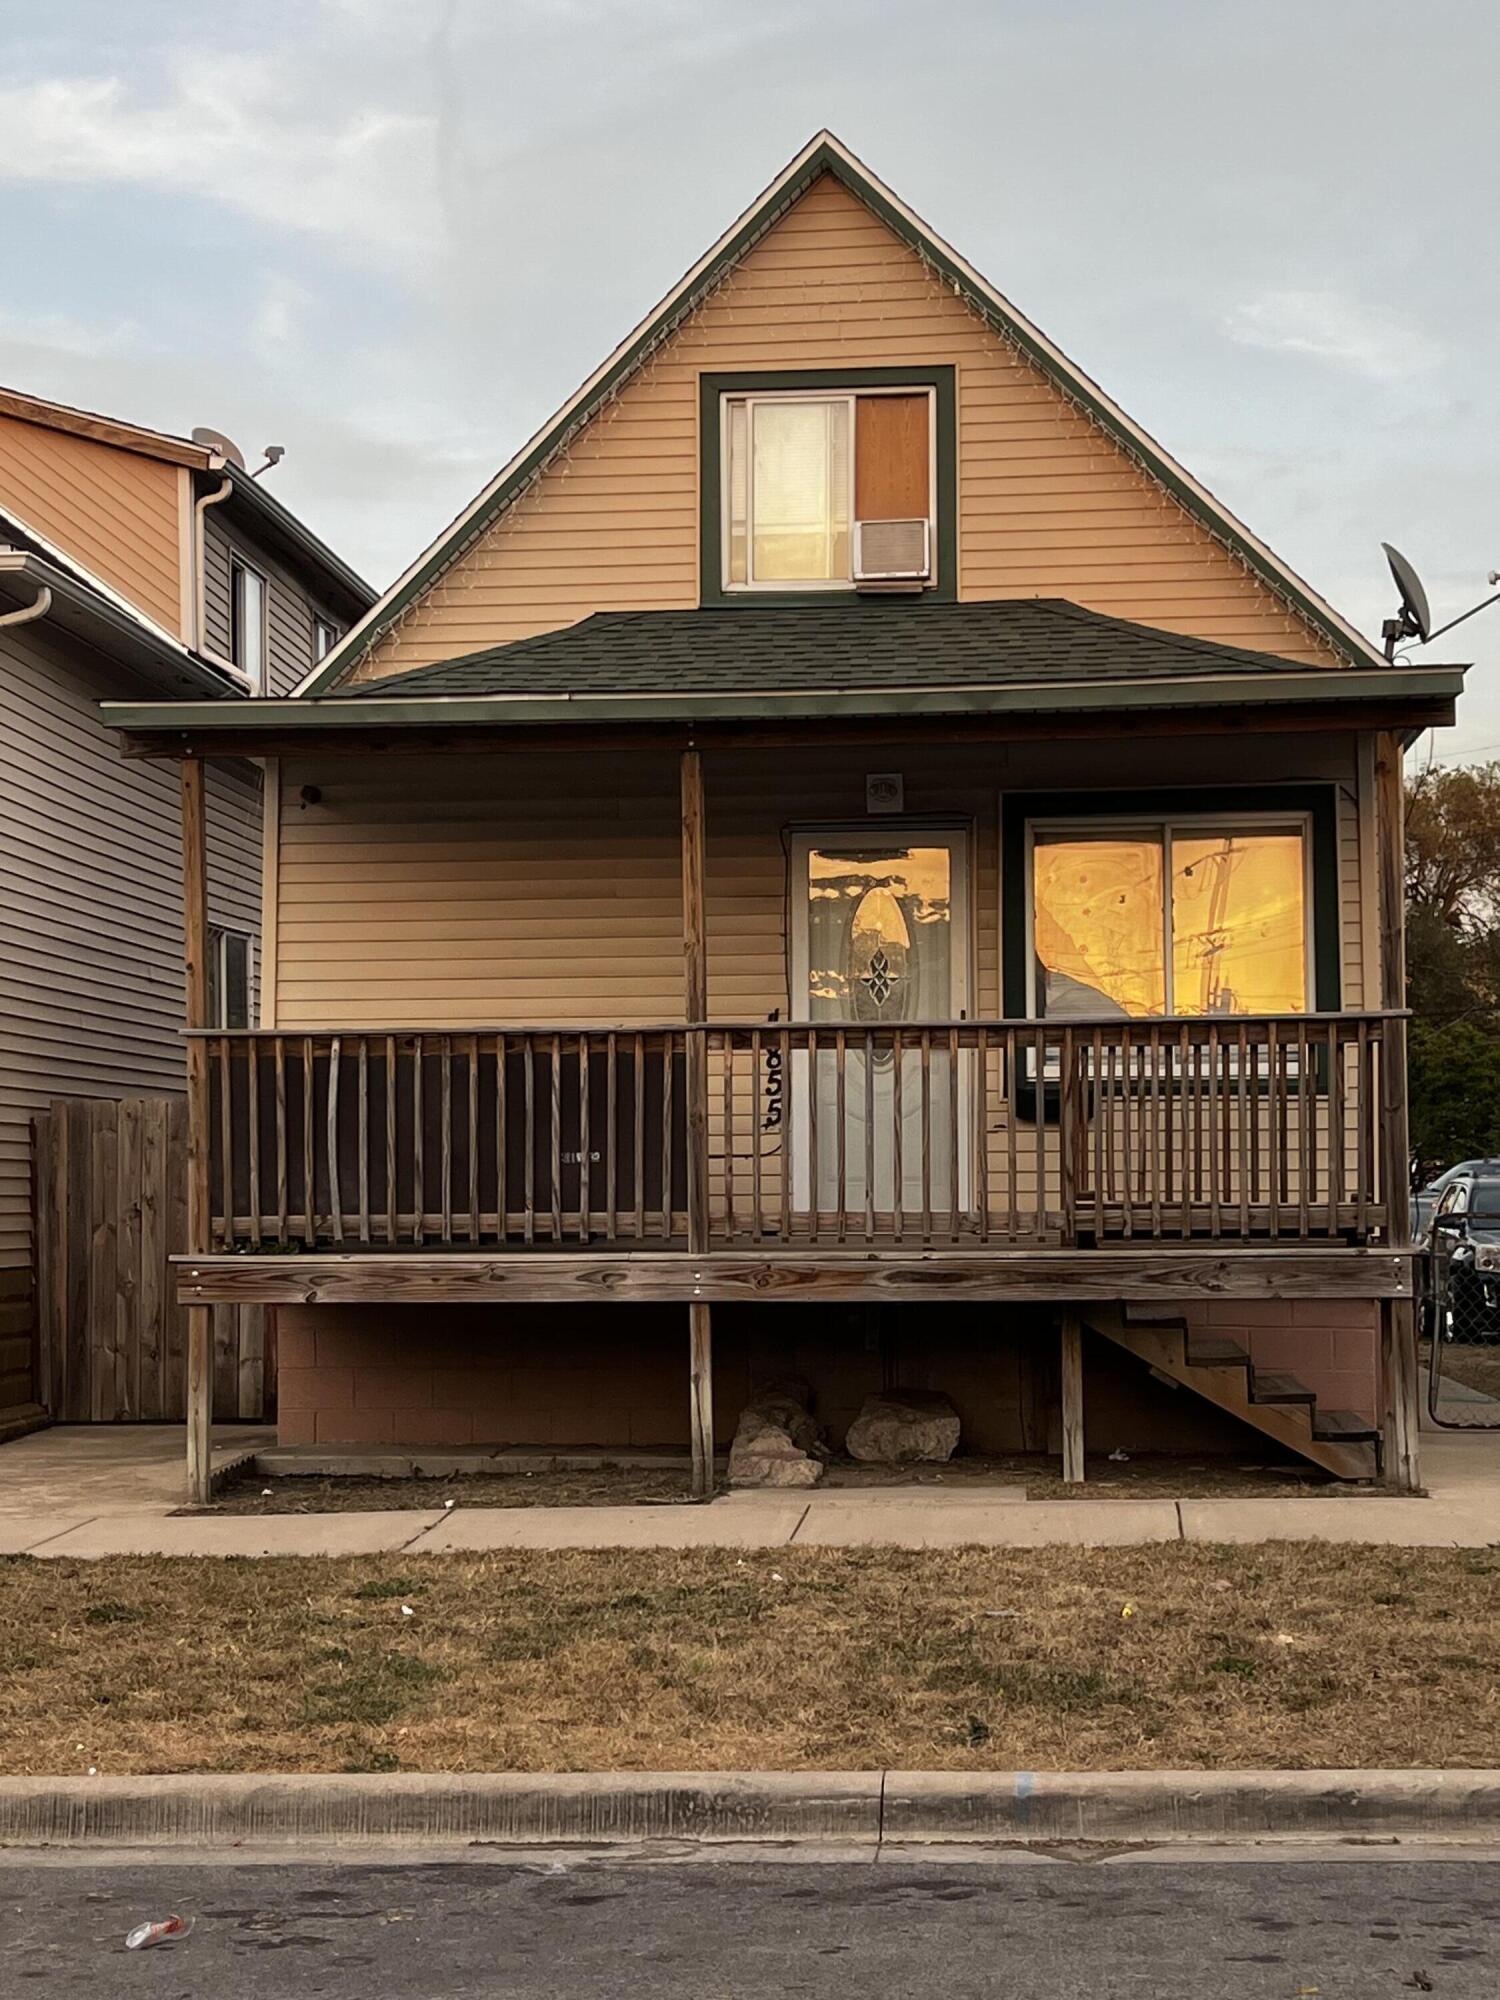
(712, 388)
(301, 713)
(827, 159)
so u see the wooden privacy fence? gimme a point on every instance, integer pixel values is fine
(110, 1181)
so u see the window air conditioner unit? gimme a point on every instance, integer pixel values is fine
(892, 552)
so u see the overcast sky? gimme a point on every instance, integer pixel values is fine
(393, 237)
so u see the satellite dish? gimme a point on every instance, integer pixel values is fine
(216, 441)
(1415, 621)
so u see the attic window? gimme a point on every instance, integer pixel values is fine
(823, 491)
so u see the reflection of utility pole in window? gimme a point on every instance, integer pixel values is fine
(1216, 998)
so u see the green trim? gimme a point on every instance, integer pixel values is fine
(713, 388)
(1319, 802)
(298, 712)
(824, 159)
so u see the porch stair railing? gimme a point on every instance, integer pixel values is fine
(838, 1134)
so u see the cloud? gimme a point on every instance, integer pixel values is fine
(281, 311)
(62, 334)
(1329, 327)
(230, 126)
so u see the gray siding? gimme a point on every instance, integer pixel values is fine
(290, 611)
(91, 992)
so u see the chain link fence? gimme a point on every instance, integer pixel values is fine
(1459, 1319)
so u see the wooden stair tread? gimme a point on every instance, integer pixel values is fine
(1269, 1386)
(1215, 1353)
(1347, 1426)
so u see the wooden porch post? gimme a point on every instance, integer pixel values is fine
(1400, 1404)
(695, 1008)
(199, 1219)
(1072, 1400)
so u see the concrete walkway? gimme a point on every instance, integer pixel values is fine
(83, 1492)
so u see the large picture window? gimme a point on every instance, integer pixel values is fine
(1161, 917)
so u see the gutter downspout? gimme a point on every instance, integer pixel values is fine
(38, 608)
(200, 592)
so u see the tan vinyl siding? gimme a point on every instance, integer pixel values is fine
(516, 889)
(1047, 504)
(289, 610)
(113, 510)
(90, 902)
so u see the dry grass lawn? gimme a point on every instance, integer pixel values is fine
(1284, 1654)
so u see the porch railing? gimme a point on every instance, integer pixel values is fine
(937, 1133)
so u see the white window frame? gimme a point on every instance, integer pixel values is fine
(239, 568)
(324, 627)
(219, 936)
(749, 399)
(1166, 824)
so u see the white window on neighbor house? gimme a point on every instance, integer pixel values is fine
(1145, 918)
(325, 637)
(230, 965)
(815, 484)
(247, 622)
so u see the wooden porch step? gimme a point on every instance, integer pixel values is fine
(1269, 1386)
(1210, 1353)
(1223, 1372)
(1344, 1425)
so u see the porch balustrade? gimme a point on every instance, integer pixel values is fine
(955, 1133)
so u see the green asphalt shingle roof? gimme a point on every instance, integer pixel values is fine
(874, 643)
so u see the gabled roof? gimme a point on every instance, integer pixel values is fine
(31, 409)
(873, 643)
(271, 517)
(824, 154)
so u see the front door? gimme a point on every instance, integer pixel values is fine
(880, 938)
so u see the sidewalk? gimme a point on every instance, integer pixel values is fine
(104, 1512)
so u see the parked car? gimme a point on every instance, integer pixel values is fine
(1424, 1203)
(1466, 1260)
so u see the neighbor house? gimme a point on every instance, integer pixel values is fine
(845, 860)
(132, 563)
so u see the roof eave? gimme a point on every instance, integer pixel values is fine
(311, 716)
(101, 429)
(84, 615)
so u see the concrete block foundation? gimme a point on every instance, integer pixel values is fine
(617, 1375)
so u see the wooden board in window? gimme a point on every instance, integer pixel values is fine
(891, 458)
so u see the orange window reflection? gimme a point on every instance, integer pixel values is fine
(1233, 905)
(1100, 938)
(1239, 924)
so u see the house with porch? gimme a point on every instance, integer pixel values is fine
(846, 861)
(134, 564)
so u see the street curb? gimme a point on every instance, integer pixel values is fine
(847, 1808)
(603, 1807)
(1189, 1805)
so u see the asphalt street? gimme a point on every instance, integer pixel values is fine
(1287, 1930)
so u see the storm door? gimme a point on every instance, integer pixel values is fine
(880, 940)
